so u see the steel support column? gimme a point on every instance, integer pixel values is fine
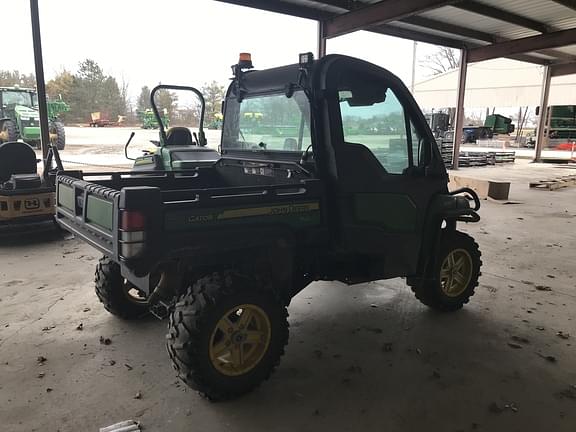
(413, 81)
(40, 84)
(545, 93)
(459, 123)
(321, 49)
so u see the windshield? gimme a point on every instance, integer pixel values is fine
(16, 98)
(268, 122)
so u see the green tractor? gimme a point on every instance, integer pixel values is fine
(149, 120)
(19, 117)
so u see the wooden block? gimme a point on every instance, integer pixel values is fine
(484, 188)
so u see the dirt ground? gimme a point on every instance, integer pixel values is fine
(367, 357)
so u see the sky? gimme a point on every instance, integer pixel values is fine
(145, 42)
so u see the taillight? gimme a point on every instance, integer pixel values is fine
(133, 220)
(132, 234)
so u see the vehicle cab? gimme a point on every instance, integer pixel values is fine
(355, 126)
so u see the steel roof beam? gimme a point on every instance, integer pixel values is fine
(345, 5)
(503, 15)
(404, 33)
(473, 34)
(571, 4)
(282, 7)
(523, 45)
(450, 28)
(563, 69)
(379, 13)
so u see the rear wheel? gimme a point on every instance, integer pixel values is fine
(8, 131)
(226, 335)
(57, 135)
(454, 275)
(118, 296)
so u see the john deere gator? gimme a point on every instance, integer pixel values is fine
(341, 179)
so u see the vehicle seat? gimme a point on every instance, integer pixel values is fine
(290, 144)
(179, 136)
(16, 158)
(358, 167)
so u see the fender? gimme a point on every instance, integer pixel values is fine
(444, 212)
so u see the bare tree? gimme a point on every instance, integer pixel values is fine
(124, 95)
(442, 60)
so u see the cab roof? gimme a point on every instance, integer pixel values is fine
(270, 80)
(22, 89)
(276, 79)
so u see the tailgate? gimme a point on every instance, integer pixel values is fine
(90, 211)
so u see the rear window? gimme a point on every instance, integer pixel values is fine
(268, 123)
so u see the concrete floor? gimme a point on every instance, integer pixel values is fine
(482, 368)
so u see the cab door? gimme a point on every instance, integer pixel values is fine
(383, 148)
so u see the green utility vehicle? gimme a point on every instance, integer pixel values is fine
(221, 249)
(19, 117)
(180, 146)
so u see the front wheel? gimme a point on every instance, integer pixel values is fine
(226, 335)
(454, 274)
(8, 131)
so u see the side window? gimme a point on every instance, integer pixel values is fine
(380, 123)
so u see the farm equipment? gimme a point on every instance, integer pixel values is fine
(149, 120)
(19, 117)
(439, 123)
(223, 248)
(560, 130)
(216, 123)
(499, 124)
(102, 119)
(178, 148)
(26, 199)
(493, 125)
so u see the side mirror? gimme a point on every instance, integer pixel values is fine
(126, 146)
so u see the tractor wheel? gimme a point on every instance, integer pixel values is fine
(226, 335)
(8, 131)
(454, 276)
(57, 135)
(118, 296)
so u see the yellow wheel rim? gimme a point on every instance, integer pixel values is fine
(456, 272)
(240, 340)
(3, 135)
